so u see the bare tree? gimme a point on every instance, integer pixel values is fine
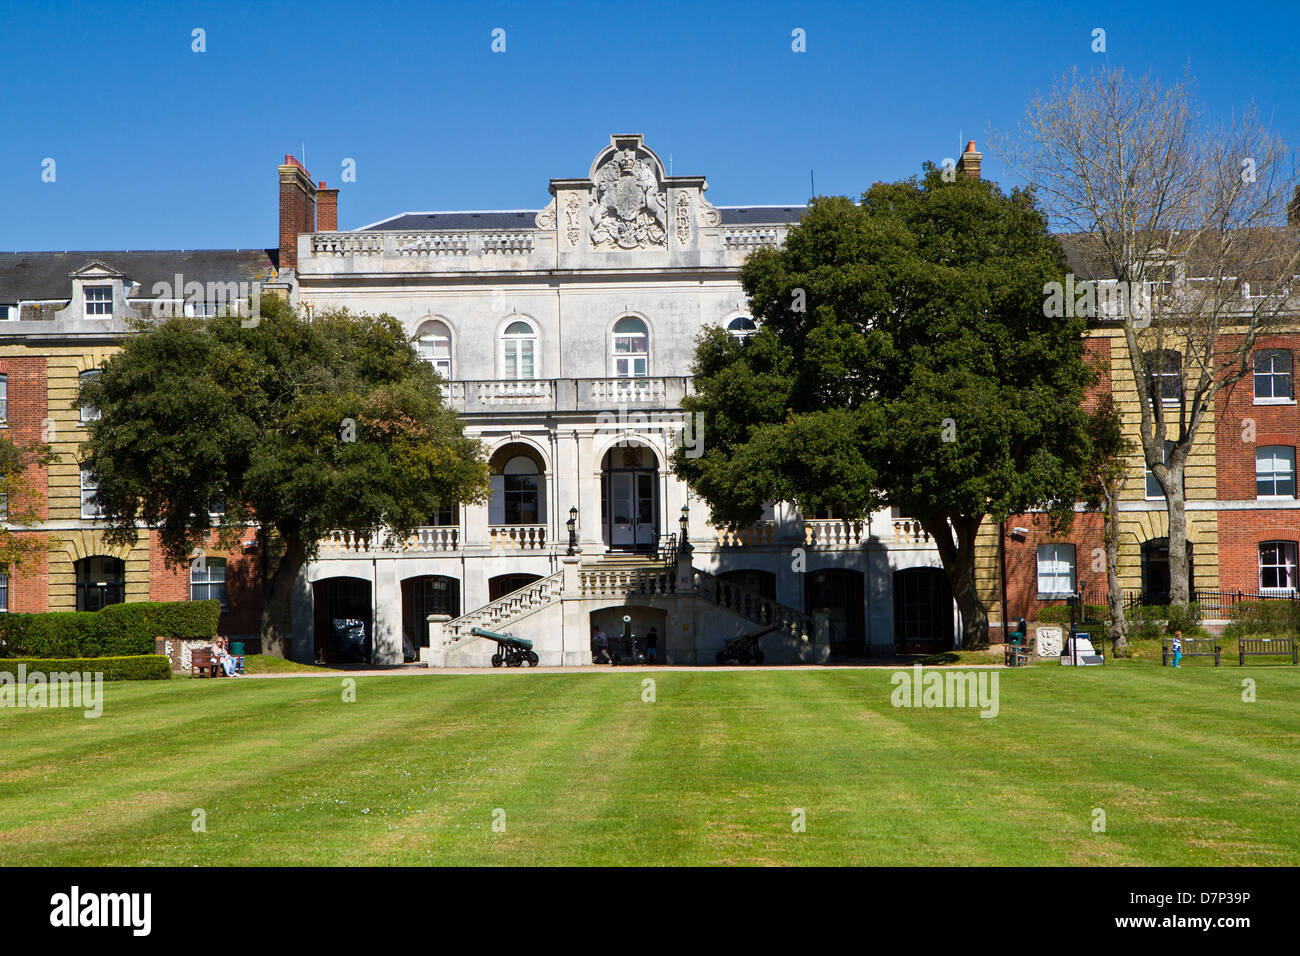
(1183, 228)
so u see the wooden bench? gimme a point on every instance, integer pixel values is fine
(203, 664)
(1192, 647)
(1276, 646)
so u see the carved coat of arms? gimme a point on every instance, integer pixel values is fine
(627, 210)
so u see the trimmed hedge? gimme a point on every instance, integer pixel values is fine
(118, 630)
(1060, 614)
(138, 667)
(1264, 618)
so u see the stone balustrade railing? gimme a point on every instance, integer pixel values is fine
(910, 531)
(518, 537)
(530, 597)
(834, 533)
(750, 238)
(566, 394)
(756, 535)
(427, 539)
(753, 606)
(623, 581)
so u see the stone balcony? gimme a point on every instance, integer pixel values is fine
(566, 394)
(825, 533)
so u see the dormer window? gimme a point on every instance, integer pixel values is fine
(99, 301)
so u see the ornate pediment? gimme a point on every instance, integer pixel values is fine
(629, 208)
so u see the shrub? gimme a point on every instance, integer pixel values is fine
(117, 630)
(1060, 614)
(138, 667)
(1264, 617)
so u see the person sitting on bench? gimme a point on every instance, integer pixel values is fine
(223, 657)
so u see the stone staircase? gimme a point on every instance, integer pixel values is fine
(509, 607)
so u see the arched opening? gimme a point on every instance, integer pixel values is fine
(343, 614)
(629, 491)
(422, 596)
(839, 591)
(641, 638)
(741, 327)
(518, 487)
(923, 619)
(519, 351)
(1155, 571)
(503, 584)
(101, 581)
(631, 348)
(433, 341)
(760, 582)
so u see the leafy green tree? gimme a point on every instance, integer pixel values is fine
(20, 499)
(298, 427)
(903, 360)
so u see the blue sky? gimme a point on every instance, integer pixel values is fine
(159, 147)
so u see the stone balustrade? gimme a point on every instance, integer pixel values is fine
(518, 537)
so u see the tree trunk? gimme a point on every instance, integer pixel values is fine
(959, 563)
(277, 598)
(1179, 585)
(1114, 596)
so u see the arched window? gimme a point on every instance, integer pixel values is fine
(631, 347)
(101, 581)
(519, 351)
(433, 341)
(517, 490)
(742, 327)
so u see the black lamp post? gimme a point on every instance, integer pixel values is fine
(573, 530)
(684, 540)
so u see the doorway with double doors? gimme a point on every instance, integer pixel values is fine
(629, 484)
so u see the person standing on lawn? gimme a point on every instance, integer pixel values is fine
(1177, 647)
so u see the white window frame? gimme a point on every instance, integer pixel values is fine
(4, 399)
(89, 509)
(515, 346)
(97, 301)
(1273, 374)
(202, 577)
(626, 359)
(1056, 561)
(1286, 556)
(430, 342)
(742, 333)
(1269, 455)
(88, 413)
(4, 592)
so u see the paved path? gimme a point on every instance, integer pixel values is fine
(415, 671)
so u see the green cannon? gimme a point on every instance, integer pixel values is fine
(511, 651)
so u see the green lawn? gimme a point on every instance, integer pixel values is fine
(287, 773)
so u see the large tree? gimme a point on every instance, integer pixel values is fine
(299, 427)
(1184, 221)
(903, 359)
(1104, 473)
(20, 499)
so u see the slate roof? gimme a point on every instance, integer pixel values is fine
(525, 219)
(45, 275)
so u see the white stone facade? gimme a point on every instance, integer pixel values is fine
(567, 336)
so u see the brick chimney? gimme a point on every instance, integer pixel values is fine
(969, 164)
(297, 209)
(327, 209)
